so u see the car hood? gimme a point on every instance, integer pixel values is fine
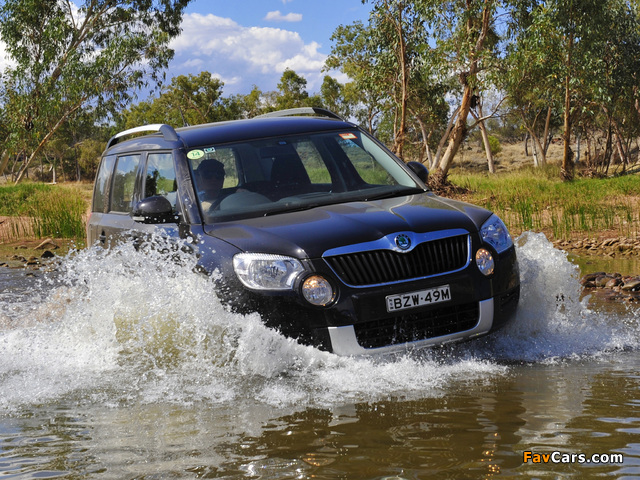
(309, 233)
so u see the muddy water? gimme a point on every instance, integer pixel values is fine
(124, 365)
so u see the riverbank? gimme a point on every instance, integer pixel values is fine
(34, 253)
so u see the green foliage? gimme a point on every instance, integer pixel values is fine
(188, 100)
(16, 200)
(66, 60)
(409, 59)
(58, 214)
(526, 200)
(577, 58)
(494, 145)
(50, 211)
(292, 91)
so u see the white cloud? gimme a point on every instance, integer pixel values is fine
(5, 60)
(277, 16)
(244, 56)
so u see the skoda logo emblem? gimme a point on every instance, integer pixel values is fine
(403, 242)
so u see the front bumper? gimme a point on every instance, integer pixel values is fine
(359, 322)
(344, 340)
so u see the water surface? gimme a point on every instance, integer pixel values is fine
(125, 365)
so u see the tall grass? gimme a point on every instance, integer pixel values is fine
(535, 199)
(526, 199)
(38, 211)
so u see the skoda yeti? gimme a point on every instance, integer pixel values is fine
(316, 226)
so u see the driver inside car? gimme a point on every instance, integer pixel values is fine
(210, 179)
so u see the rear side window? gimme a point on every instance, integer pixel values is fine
(124, 180)
(160, 178)
(102, 181)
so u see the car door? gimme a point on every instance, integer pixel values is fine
(118, 192)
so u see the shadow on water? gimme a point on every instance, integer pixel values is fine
(124, 364)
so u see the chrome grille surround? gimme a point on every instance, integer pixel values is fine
(381, 262)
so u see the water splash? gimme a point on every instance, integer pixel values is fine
(553, 321)
(125, 326)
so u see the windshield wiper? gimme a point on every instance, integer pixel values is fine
(293, 208)
(394, 193)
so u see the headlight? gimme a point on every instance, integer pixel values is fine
(495, 233)
(485, 262)
(317, 291)
(262, 271)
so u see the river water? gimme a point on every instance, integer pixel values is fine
(124, 365)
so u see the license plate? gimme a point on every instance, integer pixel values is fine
(418, 299)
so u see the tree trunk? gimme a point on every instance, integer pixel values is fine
(25, 167)
(4, 161)
(547, 137)
(567, 160)
(539, 157)
(425, 141)
(485, 139)
(404, 86)
(458, 133)
(460, 129)
(443, 140)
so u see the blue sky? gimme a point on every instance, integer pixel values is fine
(251, 42)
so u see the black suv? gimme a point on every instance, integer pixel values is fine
(315, 225)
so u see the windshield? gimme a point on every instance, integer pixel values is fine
(275, 175)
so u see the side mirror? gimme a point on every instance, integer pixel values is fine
(156, 209)
(420, 170)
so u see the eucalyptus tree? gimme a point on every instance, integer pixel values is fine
(336, 96)
(65, 56)
(292, 92)
(354, 53)
(380, 58)
(187, 100)
(614, 80)
(529, 79)
(466, 46)
(575, 57)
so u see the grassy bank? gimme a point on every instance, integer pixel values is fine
(535, 199)
(526, 199)
(32, 211)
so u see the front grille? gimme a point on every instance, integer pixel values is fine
(411, 327)
(385, 266)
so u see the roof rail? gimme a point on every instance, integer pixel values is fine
(301, 111)
(168, 132)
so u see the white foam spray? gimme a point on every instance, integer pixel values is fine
(128, 326)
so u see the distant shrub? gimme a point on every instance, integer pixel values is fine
(494, 144)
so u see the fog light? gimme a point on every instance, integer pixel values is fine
(485, 262)
(317, 291)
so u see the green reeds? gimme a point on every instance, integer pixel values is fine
(535, 199)
(38, 211)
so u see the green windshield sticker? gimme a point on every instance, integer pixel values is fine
(195, 154)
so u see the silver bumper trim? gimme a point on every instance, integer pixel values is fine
(344, 341)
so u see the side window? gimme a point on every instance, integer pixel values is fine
(224, 156)
(102, 181)
(160, 178)
(124, 180)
